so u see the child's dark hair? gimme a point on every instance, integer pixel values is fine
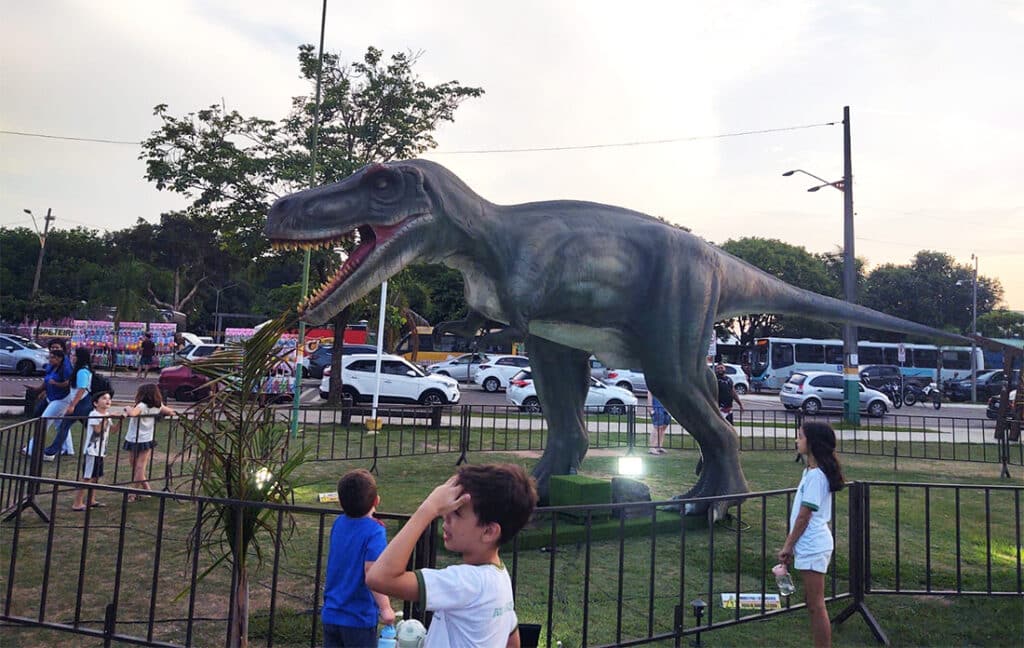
(96, 395)
(82, 358)
(821, 443)
(357, 492)
(149, 394)
(501, 493)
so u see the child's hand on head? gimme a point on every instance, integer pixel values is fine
(446, 498)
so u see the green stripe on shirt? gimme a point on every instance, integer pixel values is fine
(422, 588)
(813, 507)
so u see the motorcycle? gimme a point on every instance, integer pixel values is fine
(892, 390)
(914, 393)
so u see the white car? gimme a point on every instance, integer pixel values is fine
(196, 351)
(629, 379)
(522, 393)
(495, 373)
(21, 354)
(736, 374)
(814, 391)
(400, 381)
(462, 368)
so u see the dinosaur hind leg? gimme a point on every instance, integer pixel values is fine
(562, 377)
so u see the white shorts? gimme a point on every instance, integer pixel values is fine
(816, 562)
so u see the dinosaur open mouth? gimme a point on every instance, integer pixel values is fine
(369, 237)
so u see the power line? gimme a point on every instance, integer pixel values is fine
(68, 138)
(537, 149)
(673, 140)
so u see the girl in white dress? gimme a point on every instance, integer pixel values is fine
(139, 441)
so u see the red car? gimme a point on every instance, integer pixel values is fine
(183, 384)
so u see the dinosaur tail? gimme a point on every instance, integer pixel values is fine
(746, 289)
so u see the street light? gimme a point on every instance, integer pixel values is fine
(851, 378)
(216, 308)
(974, 329)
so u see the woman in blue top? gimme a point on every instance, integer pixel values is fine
(58, 393)
(80, 405)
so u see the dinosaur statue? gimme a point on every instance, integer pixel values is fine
(573, 279)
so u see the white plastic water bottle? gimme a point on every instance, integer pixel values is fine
(783, 579)
(387, 637)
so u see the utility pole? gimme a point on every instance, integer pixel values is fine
(974, 332)
(851, 376)
(42, 244)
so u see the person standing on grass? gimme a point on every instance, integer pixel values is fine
(147, 356)
(55, 395)
(660, 419)
(100, 426)
(78, 408)
(351, 611)
(139, 441)
(809, 541)
(483, 507)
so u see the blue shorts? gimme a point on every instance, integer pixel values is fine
(660, 417)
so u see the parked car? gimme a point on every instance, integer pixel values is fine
(597, 368)
(738, 378)
(21, 354)
(631, 380)
(182, 383)
(495, 373)
(462, 368)
(874, 376)
(992, 411)
(814, 391)
(522, 393)
(990, 383)
(400, 382)
(313, 365)
(195, 351)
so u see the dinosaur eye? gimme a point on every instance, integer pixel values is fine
(382, 182)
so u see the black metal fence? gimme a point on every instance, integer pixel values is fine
(608, 575)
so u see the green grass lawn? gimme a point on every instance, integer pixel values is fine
(651, 573)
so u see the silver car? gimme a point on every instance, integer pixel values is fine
(814, 391)
(21, 354)
(629, 379)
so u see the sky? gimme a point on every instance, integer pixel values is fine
(933, 87)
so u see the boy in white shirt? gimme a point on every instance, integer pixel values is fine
(100, 425)
(482, 507)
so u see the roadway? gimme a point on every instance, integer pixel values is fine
(12, 389)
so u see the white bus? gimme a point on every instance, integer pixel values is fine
(774, 360)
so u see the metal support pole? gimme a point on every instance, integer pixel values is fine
(974, 332)
(858, 566)
(301, 342)
(851, 376)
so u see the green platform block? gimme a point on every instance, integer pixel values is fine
(578, 490)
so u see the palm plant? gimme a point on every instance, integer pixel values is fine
(242, 454)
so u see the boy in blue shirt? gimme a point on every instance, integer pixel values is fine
(351, 610)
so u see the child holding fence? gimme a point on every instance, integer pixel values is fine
(99, 427)
(138, 441)
(809, 541)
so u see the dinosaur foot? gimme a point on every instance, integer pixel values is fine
(717, 478)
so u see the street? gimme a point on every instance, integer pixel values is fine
(12, 387)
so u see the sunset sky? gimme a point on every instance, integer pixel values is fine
(934, 88)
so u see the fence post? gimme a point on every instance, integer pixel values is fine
(465, 418)
(630, 429)
(858, 566)
(35, 469)
(799, 418)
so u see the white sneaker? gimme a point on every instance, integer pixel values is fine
(49, 457)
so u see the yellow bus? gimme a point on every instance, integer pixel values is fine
(448, 346)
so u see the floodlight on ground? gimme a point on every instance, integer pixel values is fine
(630, 466)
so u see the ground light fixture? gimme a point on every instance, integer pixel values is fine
(630, 466)
(698, 606)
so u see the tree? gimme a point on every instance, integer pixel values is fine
(1001, 324)
(234, 166)
(932, 290)
(243, 455)
(792, 264)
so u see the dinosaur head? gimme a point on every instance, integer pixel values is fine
(385, 207)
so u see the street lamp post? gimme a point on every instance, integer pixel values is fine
(216, 310)
(851, 376)
(974, 329)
